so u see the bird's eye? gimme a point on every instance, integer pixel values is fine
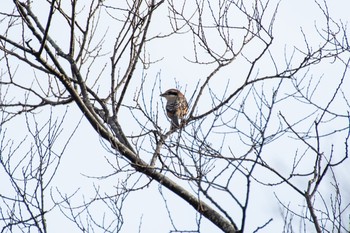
(172, 93)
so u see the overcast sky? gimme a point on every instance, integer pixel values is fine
(86, 158)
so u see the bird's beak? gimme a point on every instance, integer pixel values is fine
(162, 95)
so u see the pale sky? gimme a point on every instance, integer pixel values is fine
(85, 157)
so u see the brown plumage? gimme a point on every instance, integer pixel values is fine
(176, 106)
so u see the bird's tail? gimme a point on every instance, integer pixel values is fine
(174, 123)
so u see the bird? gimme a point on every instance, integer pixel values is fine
(176, 106)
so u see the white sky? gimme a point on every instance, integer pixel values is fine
(86, 157)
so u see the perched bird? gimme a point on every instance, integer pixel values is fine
(176, 106)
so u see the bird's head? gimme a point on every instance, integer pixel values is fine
(171, 94)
